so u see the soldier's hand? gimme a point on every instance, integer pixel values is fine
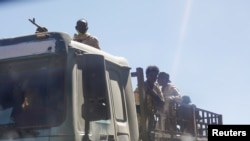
(77, 38)
(41, 29)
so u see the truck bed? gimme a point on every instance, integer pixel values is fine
(198, 130)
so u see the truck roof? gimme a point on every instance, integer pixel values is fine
(49, 42)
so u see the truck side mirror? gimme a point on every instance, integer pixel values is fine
(94, 84)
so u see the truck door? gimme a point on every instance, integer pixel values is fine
(104, 105)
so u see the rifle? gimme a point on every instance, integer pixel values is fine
(39, 28)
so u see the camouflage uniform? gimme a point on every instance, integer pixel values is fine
(154, 100)
(171, 95)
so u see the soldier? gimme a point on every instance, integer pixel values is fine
(153, 98)
(83, 36)
(171, 96)
(187, 113)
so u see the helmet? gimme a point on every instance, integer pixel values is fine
(82, 25)
(186, 99)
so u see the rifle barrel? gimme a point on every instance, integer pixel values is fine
(34, 23)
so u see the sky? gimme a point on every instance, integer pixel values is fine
(203, 44)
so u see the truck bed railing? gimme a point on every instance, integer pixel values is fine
(206, 118)
(177, 126)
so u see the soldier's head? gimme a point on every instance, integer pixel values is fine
(151, 73)
(163, 78)
(186, 99)
(82, 26)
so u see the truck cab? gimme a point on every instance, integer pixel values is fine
(56, 89)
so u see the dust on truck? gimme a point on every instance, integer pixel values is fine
(55, 89)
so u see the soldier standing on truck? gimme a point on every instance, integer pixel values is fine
(186, 112)
(153, 99)
(171, 95)
(83, 36)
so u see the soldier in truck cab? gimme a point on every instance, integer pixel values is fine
(153, 98)
(83, 36)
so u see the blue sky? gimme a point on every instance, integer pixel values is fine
(203, 44)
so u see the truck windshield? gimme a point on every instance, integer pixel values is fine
(32, 92)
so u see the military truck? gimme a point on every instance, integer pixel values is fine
(55, 89)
